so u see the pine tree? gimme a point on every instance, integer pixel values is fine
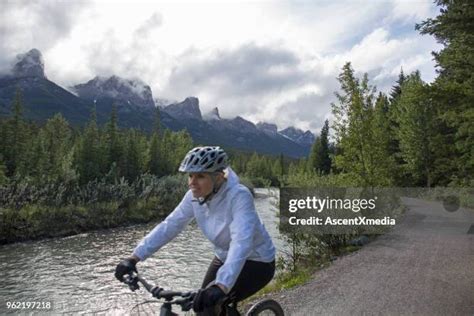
(166, 153)
(156, 163)
(114, 147)
(132, 170)
(16, 137)
(155, 160)
(3, 168)
(392, 117)
(181, 143)
(453, 89)
(382, 136)
(89, 157)
(354, 115)
(416, 130)
(37, 161)
(397, 88)
(57, 138)
(319, 160)
(278, 166)
(253, 166)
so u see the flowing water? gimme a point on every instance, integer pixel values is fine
(76, 274)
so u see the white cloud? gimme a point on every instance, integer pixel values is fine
(34, 24)
(410, 11)
(272, 61)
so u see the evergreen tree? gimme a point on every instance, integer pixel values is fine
(354, 115)
(319, 160)
(382, 136)
(181, 143)
(239, 162)
(89, 155)
(392, 132)
(156, 163)
(155, 160)
(37, 162)
(453, 89)
(253, 166)
(397, 88)
(15, 137)
(57, 138)
(3, 168)
(416, 130)
(278, 168)
(114, 147)
(166, 153)
(133, 156)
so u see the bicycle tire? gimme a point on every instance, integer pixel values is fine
(264, 306)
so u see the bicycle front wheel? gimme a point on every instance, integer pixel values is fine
(266, 307)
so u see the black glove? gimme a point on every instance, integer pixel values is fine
(127, 266)
(208, 297)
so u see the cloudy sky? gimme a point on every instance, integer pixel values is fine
(274, 61)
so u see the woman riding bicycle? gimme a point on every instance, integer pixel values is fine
(224, 210)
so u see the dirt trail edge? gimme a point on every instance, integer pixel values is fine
(424, 266)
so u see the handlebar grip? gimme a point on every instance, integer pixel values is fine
(148, 286)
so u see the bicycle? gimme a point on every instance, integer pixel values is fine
(185, 300)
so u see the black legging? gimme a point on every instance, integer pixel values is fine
(253, 277)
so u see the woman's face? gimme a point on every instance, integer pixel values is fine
(200, 184)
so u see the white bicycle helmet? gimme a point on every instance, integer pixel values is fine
(204, 159)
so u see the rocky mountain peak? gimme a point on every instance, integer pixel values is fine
(189, 108)
(299, 136)
(268, 128)
(213, 115)
(30, 64)
(130, 91)
(242, 124)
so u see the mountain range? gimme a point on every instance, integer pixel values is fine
(135, 104)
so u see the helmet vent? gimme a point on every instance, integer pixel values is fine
(204, 159)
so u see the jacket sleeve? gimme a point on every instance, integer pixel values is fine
(167, 229)
(242, 232)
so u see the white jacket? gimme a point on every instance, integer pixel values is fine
(228, 220)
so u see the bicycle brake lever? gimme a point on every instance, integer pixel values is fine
(187, 307)
(132, 282)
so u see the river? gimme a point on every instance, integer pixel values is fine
(76, 274)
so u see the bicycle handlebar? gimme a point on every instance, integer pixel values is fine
(186, 300)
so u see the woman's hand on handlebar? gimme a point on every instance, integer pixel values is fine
(208, 297)
(126, 266)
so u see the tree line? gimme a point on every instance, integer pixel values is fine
(419, 134)
(56, 152)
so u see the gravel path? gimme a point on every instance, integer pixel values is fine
(424, 266)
